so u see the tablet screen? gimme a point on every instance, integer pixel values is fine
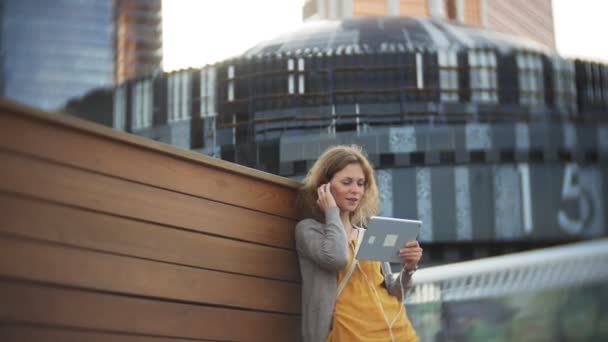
(385, 236)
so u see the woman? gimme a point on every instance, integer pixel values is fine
(339, 194)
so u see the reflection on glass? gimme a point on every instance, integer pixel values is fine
(56, 51)
(54, 54)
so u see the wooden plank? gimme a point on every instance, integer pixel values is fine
(21, 332)
(76, 227)
(13, 108)
(67, 266)
(102, 193)
(26, 303)
(103, 150)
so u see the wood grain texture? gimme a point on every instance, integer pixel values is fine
(89, 229)
(105, 236)
(110, 195)
(141, 163)
(34, 333)
(27, 303)
(67, 266)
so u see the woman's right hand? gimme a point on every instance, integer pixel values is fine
(325, 198)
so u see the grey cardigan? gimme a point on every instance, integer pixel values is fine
(322, 252)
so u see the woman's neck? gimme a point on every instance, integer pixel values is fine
(345, 217)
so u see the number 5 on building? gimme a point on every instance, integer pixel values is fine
(572, 191)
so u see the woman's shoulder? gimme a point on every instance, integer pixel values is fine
(308, 223)
(307, 229)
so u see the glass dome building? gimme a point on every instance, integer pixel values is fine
(358, 75)
(494, 141)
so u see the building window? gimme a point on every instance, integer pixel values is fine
(530, 79)
(231, 83)
(448, 75)
(208, 92)
(136, 106)
(173, 92)
(120, 105)
(179, 96)
(482, 65)
(186, 95)
(603, 84)
(564, 85)
(419, 71)
(141, 107)
(301, 76)
(595, 87)
(203, 95)
(292, 75)
(148, 103)
(589, 91)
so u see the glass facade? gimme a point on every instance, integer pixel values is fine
(56, 50)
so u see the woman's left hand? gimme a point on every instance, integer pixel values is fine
(410, 254)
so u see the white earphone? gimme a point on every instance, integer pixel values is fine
(400, 278)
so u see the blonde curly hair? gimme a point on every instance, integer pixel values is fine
(332, 161)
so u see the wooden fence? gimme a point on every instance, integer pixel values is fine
(105, 236)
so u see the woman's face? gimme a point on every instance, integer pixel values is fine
(348, 187)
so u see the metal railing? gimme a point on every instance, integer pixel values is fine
(565, 266)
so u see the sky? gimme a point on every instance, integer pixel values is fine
(200, 32)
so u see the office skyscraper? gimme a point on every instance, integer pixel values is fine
(531, 19)
(138, 26)
(57, 50)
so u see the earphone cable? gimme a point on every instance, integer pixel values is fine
(389, 325)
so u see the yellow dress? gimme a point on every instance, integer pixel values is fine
(357, 315)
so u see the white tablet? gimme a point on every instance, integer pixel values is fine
(385, 236)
